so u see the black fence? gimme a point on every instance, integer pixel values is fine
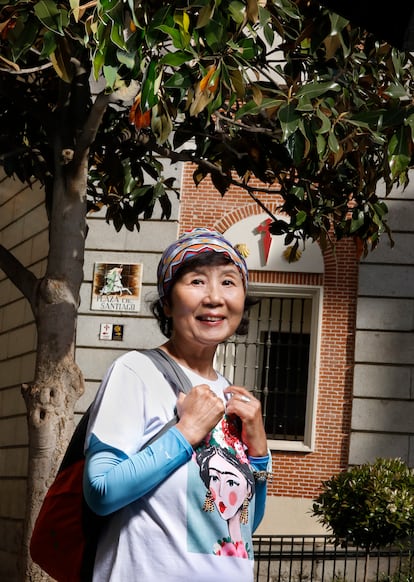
(317, 559)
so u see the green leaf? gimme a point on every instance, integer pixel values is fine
(397, 91)
(138, 192)
(398, 165)
(289, 119)
(269, 34)
(148, 97)
(298, 191)
(326, 123)
(358, 218)
(98, 61)
(174, 34)
(304, 103)
(117, 35)
(252, 108)
(247, 47)
(74, 4)
(49, 44)
(110, 74)
(369, 118)
(126, 59)
(48, 13)
(178, 80)
(205, 15)
(214, 33)
(296, 147)
(182, 19)
(316, 89)
(320, 145)
(333, 143)
(237, 83)
(159, 190)
(398, 144)
(300, 218)
(338, 23)
(23, 36)
(237, 11)
(380, 208)
(177, 58)
(410, 123)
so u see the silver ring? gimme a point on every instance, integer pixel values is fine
(245, 398)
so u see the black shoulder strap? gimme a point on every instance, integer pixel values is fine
(174, 375)
(172, 372)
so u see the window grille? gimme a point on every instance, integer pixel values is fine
(274, 360)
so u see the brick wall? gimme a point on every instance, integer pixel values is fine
(299, 474)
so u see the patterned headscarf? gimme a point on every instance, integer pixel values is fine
(198, 240)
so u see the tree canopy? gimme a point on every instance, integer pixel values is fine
(275, 95)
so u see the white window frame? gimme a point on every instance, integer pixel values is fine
(315, 293)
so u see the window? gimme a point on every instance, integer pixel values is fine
(284, 381)
(278, 360)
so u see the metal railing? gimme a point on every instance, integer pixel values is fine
(317, 559)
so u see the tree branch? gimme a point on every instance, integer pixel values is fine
(188, 156)
(92, 124)
(19, 275)
(18, 71)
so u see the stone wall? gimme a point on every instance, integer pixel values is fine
(383, 406)
(23, 231)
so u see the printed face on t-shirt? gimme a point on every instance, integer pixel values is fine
(228, 486)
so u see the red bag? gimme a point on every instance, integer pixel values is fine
(58, 531)
(66, 532)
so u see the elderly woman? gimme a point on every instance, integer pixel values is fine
(178, 504)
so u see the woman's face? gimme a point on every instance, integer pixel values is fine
(228, 486)
(206, 304)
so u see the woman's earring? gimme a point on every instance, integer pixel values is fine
(244, 514)
(208, 502)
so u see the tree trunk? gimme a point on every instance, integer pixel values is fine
(54, 299)
(58, 383)
(50, 403)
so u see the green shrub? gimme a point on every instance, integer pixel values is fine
(370, 505)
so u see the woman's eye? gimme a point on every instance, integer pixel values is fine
(228, 282)
(196, 282)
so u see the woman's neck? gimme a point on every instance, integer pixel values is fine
(199, 361)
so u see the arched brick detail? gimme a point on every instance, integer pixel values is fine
(237, 215)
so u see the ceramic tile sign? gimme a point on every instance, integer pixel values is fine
(117, 287)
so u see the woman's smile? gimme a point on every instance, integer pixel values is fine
(210, 318)
(207, 304)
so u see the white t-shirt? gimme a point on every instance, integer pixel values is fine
(177, 532)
